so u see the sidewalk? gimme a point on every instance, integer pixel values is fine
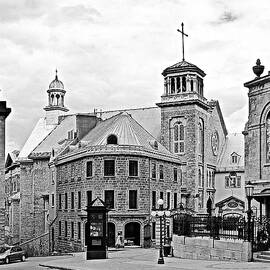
(139, 258)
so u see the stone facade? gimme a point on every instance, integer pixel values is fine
(257, 140)
(121, 183)
(202, 121)
(53, 161)
(4, 112)
(12, 198)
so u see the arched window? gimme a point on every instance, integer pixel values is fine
(172, 86)
(179, 137)
(268, 138)
(52, 98)
(201, 139)
(57, 99)
(112, 139)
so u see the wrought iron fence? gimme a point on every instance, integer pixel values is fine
(230, 227)
(261, 232)
(217, 227)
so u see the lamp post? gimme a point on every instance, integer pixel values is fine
(249, 188)
(161, 214)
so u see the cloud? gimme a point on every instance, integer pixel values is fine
(13, 10)
(67, 14)
(227, 16)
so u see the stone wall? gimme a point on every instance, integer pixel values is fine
(4, 112)
(27, 201)
(208, 249)
(38, 246)
(121, 183)
(35, 180)
(191, 115)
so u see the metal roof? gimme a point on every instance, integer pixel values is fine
(183, 66)
(128, 132)
(149, 118)
(40, 131)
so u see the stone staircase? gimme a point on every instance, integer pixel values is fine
(264, 256)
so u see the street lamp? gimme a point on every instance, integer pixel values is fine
(249, 188)
(161, 214)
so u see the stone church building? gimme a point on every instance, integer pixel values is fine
(130, 158)
(257, 138)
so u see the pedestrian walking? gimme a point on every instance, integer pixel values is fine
(118, 243)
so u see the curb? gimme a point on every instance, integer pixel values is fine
(56, 267)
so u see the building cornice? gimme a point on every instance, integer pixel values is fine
(118, 150)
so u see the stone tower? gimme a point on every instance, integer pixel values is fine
(56, 104)
(4, 112)
(184, 111)
(257, 137)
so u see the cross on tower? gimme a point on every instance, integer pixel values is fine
(183, 34)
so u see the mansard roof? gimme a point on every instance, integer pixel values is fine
(182, 66)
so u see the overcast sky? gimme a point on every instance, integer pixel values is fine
(110, 54)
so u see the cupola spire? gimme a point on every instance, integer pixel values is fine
(183, 36)
(56, 77)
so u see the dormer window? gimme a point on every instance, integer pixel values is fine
(154, 144)
(112, 139)
(234, 158)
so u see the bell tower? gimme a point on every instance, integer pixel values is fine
(184, 116)
(56, 98)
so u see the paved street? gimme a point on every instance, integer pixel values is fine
(138, 258)
(127, 259)
(31, 263)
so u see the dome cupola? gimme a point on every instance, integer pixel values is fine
(56, 84)
(56, 98)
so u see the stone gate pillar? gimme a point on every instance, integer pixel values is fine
(4, 112)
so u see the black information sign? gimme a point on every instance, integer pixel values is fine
(95, 232)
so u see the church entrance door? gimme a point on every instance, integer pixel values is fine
(132, 233)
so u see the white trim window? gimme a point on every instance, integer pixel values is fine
(233, 181)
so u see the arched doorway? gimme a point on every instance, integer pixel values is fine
(147, 236)
(111, 234)
(132, 233)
